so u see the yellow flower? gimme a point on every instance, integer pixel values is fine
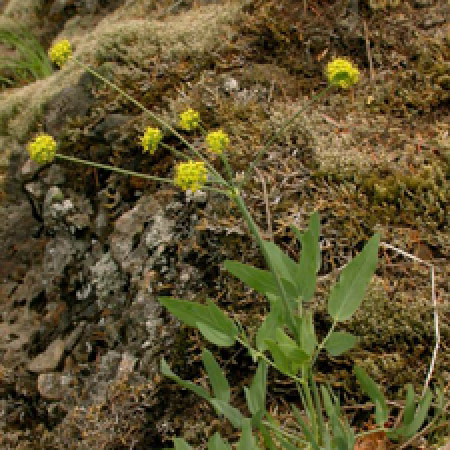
(191, 175)
(60, 52)
(151, 139)
(217, 141)
(342, 73)
(190, 120)
(42, 149)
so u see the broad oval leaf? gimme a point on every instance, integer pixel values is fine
(188, 312)
(339, 342)
(348, 293)
(215, 336)
(181, 444)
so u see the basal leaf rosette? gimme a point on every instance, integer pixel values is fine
(342, 73)
(151, 139)
(189, 120)
(217, 141)
(60, 52)
(191, 175)
(42, 149)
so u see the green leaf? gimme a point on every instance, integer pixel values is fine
(181, 444)
(217, 443)
(286, 267)
(200, 391)
(408, 412)
(219, 383)
(215, 326)
(289, 347)
(188, 312)
(339, 342)
(371, 389)
(348, 293)
(307, 333)
(231, 413)
(247, 441)
(261, 281)
(273, 320)
(215, 336)
(327, 402)
(306, 430)
(279, 358)
(286, 354)
(268, 441)
(221, 321)
(256, 395)
(408, 430)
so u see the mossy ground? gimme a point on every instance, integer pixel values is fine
(373, 159)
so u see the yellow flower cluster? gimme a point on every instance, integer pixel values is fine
(191, 175)
(42, 149)
(60, 52)
(342, 73)
(151, 139)
(217, 141)
(190, 120)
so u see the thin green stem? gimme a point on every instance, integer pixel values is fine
(174, 151)
(323, 343)
(113, 169)
(152, 115)
(261, 153)
(254, 229)
(310, 404)
(224, 159)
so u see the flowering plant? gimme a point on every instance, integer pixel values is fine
(286, 341)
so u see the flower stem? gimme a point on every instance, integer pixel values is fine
(113, 169)
(152, 115)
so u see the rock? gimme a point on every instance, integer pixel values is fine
(55, 176)
(50, 359)
(159, 232)
(126, 243)
(108, 128)
(29, 169)
(71, 102)
(108, 282)
(230, 85)
(72, 339)
(35, 189)
(55, 386)
(127, 365)
(59, 253)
